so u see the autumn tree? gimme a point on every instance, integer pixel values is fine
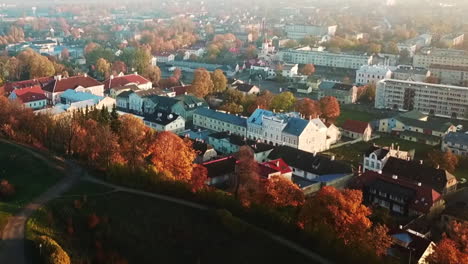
(264, 100)
(33, 65)
(103, 68)
(118, 67)
(219, 81)
(247, 186)
(283, 102)
(90, 47)
(453, 248)
(65, 54)
(308, 108)
(153, 73)
(134, 139)
(330, 107)
(172, 156)
(445, 160)
(279, 191)
(307, 69)
(199, 177)
(202, 84)
(343, 213)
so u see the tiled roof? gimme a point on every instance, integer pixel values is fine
(435, 125)
(73, 82)
(10, 86)
(124, 80)
(296, 126)
(417, 172)
(179, 90)
(220, 167)
(31, 94)
(228, 118)
(355, 126)
(457, 138)
(278, 165)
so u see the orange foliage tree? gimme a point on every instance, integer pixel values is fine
(446, 160)
(453, 248)
(330, 107)
(134, 139)
(199, 177)
(172, 155)
(343, 213)
(247, 180)
(308, 107)
(280, 191)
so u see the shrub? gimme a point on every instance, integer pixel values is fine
(52, 253)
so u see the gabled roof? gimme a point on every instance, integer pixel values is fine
(31, 94)
(457, 138)
(296, 126)
(63, 84)
(417, 172)
(228, 118)
(378, 151)
(435, 125)
(220, 167)
(355, 126)
(124, 80)
(161, 118)
(180, 90)
(244, 87)
(10, 86)
(306, 161)
(278, 165)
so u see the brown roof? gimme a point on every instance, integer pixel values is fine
(64, 84)
(30, 94)
(124, 80)
(10, 86)
(355, 126)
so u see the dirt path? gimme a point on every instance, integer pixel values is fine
(13, 247)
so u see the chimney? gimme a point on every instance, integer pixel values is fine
(58, 77)
(111, 77)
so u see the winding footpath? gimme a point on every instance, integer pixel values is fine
(13, 247)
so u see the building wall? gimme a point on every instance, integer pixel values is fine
(444, 57)
(450, 76)
(368, 74)
(457, 149)
(218, 125)
(321, 58)
(175, 126)
(443, 100)
(36, 104)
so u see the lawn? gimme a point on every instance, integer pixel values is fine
(147, 230)
(29, 175)
(354, 153)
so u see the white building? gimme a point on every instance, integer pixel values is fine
(136, 99)
(451, 40)
(368, 74)
(81, 83)
(287, 129)
(451, 57)
(297, 32)
(414, 44)
(162, 121)
(289, 70)
(133, 79)
(438, 99)
(164, 57)
(376, 157)
(454, 75)
(220, 121)
(410, 73)
(323, 58)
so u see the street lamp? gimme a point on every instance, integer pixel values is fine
(40, 249)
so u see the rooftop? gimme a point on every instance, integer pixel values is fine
(228, 118)
(355, 126)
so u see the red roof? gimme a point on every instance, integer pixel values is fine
(355, 126)
(422, 202)
(180, 90)
(10, 86)
(124, 80)
(64, 84)
(278, 165)
(31, 94)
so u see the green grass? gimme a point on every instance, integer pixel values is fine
(29, 175)
(147, 230)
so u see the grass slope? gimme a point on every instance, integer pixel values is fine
(29, 175)
(147, 230)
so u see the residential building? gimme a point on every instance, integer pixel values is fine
(10, 86)
(278, 166)
(246, 88)
(164, 57)
(32, 97)
(410, 73)
(191, 66)
(455, 142)
(162, 121)
(219, 171)
(369, 74)
(356, 129)
(453, 75)
(452, 40)
(219, 121)
(136, 99)
(376, 157)
(184, 105)
(409, 246)
(418, 173)
(414, 44)
(205, 152)
(451, 57)
(324, 58)
(298, 32)
(113, 92)
(398, 194)
(81, 83)
(289, 70)
(133, 79)
(333, 134)
(437, 99)
(72, 96)
(344, 93)
(228, 143)
(415, 126)
(287, 129)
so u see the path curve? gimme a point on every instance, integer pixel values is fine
(13, 235)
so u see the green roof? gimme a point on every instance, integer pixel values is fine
(414, 114)
(435, 125)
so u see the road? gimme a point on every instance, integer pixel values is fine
(13, 248)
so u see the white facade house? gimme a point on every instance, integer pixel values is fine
(289, 70)
(438, 99)
(287, 129)
(369, 74)
(450, 57)
(323, 58)
(136, 99)
(81, 83)
(164, 57)
(301, 31)
(454, 75)
(193, 51)
(456, 142)
(165, 122)
(410, 73)
(220, 121)
(376, 157)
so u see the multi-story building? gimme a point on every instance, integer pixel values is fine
(287, 129)
(162, 121)
(456, 142)
(323, 58)
(82, 83)
(454, 75)
(32, 97)
(450, 57)
(438, 99)
(414, 44)
(452, 40)
(410, 73)
(133, 79)
(301, 31)
(368, 74)
(376, 157)
(344, 93)
(220, 121)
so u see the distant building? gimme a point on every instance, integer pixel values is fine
(127, 80)
(81, 83)
(451, 40)
(456, 142)
(298, 32)
(344, 93)
(450, 57)
(356, 130)
(414, 44)
(453, 75)
(289, 70)
(220, 170)
(165, 122)
(246, 88)
(219, 121)
(409, 73)
(164, 57)
(368, 74)
(32, 97)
